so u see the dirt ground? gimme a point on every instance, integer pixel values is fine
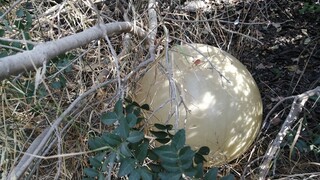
(279, 44)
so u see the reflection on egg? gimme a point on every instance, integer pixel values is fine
(209, 93)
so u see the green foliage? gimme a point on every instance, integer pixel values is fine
(310, 8)
(20, 22)
(304, 139)
(127, 148)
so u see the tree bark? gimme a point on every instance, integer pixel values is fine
(30, 60)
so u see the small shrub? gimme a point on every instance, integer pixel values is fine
(127, 152)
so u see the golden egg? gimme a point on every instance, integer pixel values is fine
(209, 93)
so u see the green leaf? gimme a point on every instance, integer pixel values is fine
(139, 120)
(3, 54)
(100, 156)
(126, 167)
(16, 45)
(166, 152)
(228, 177)
(95, 143)
(123, 128)
(159, 134)
(170, 166)
(186, 157)
(112, 140)
(152, 155)
(135, 104)
(145, 173)
(130, 108)
(1, 32)
(204, 150)
(29, 20)
(191, 172)
(171, 176)
(56, 85)
(135, 136)
(316, 140)
(211, 174)
(94, 162)
(132, 120)
(118, 108)
(155, 168)
(7, 25)
(186, 153)
(128, 100)
(145, 107)
(135, 174)
(142, 151)
(169, 127)
(137, 112)
(198, 158)
(109, 118)
(163, 141)
(20, 13)
(160, 126)
(101, 176)
(111, 157)
(199, 169)
(19, 24)
(90, 172)
(124, 149)
(179, 139)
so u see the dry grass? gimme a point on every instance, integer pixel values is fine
(25, 112)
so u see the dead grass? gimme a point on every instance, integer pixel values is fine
(26, 112)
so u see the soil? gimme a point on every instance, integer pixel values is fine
(280, 45)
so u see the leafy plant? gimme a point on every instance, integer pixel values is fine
(304, 139)
(20, 22)
(126, 151)
(310, 8)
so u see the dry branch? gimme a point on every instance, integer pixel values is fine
(274, 147)
(44, 53)
(39, 143)
(30, 60)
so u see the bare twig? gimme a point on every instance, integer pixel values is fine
(153, 25)
(116, 61)
(274, 148)
(11, 7)
(39, 143)
(244, 35)
(18, 41)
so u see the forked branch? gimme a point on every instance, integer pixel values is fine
(274, 147)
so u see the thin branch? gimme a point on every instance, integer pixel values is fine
(274, 148)
(14, 5)
(98, 32)
(40, 142)
(18, 41)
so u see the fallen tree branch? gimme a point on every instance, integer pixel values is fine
(39, 143)
(274, 147)
(30, 60)
(37, 147)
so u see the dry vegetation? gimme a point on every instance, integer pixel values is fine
(254, 32)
